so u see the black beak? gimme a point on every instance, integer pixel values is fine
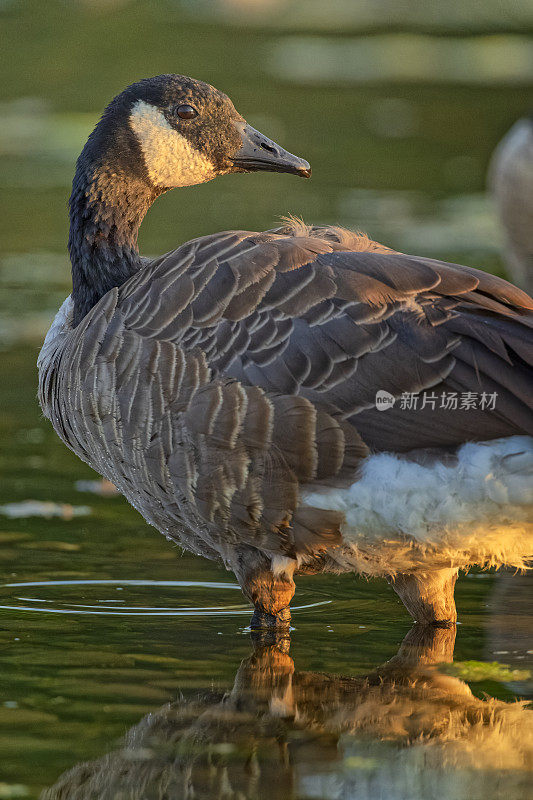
(258, 152)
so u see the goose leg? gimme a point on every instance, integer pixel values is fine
(428, 596)
(270, 593)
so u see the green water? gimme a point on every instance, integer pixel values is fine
(102, 622)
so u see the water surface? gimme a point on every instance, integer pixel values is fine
(115, 647)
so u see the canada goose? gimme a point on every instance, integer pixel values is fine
(409, 730)
(511, 183)
(294, 401)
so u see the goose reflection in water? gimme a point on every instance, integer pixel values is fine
(404, 731)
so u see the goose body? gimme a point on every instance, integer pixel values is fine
(230, 388)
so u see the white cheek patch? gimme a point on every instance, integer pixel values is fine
(169, 158)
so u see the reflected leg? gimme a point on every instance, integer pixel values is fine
(425, 645)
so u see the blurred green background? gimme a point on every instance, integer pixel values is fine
(398, 108)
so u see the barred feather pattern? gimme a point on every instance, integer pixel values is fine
(228, 374)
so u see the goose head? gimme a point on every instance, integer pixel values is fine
(158, 134)
(179, 131)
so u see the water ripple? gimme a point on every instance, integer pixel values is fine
(96, 608)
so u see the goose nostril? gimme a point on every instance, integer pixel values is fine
(268, 148)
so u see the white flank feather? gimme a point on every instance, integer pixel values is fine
(403, 515)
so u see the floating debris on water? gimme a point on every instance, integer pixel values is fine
(12, 790)
(38, 544)
(103, 487)
(39, 508)
(475, 671)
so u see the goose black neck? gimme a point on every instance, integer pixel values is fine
(110, 196)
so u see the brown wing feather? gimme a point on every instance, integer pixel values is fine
(226, 374)
(326, 318)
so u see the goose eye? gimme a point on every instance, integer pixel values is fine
(186, 112)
